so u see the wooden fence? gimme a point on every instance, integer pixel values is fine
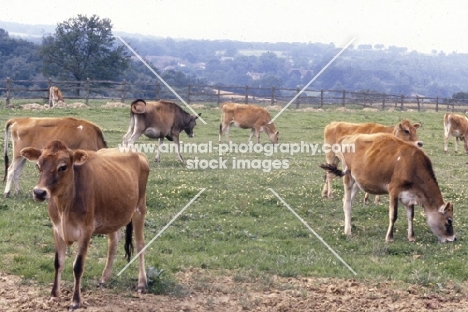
(125, 91)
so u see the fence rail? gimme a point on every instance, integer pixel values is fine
(153, 90)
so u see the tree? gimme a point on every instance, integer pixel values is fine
(83, 48)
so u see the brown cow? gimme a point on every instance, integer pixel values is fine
(55, 96)
(245, 116)
(456, 125)
(384, 164)
(36, 132)
(83, 199)
(334, 131)
(159, 120)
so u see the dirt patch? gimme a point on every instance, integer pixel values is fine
(205, 291)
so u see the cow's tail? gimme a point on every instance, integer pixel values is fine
(128, 241)
(332, 168)
(5, 148)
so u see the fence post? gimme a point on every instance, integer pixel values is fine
(383, 101)
(437, 104)
(272, 96)
(87, 91)
(8, 86)
(297, 99)
(122, 99)
(189, 89)
(218, 95)
(246, 94)
(344, 98)
(402, 100)
(321, 98)
(419, 105)
(158, 91)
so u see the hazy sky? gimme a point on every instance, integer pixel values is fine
(418, 25)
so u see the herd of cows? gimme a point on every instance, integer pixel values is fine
(76, 168)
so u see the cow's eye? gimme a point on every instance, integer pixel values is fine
(449, 220)
(62, 168)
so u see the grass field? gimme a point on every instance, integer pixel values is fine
(238, 225)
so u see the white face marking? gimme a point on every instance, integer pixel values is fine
(80, 127)
(398, 159)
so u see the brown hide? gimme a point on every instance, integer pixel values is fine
(457, 126)
(245, 116)
(334, 131)
(84, 199)
(36, 132)
(384, 164)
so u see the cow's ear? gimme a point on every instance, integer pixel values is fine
(417, 125)
(139, 107)
(448, 207)
(79, 157)
(31, 153)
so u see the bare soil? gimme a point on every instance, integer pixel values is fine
(205, 291)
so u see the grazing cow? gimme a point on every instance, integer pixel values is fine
(245, 116)
(334, 131)
(36, 132)
(55, 96)
(384, 164)
(456, 125)
(159, 120)
(84, 199)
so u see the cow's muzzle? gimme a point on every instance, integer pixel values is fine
(40, 194)
(419, 143)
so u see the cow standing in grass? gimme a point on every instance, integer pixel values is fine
(457, 126)
(36, 132)
(245, 116)
(384, 164)
(334, 131)
(55, 96)
(159, 120)
(91, 193)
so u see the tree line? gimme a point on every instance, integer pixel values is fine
(84, 47)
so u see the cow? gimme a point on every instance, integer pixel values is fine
(336, 130)
(55, 96)
(83, 199)
(456, 125)
(384, 164)
(159, 120)
(245, 116)
(36, 132)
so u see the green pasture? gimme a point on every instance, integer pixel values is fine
(238, 226)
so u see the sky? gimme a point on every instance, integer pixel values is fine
(424, 26)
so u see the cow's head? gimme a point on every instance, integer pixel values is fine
(274, 137)
(441, 222)
(55, 163)
(407, 132)
(191, 124)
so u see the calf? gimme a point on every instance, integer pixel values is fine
(159, 120)
(91, 193)
(456, 125)
(334, 131)
(384, 164)
(36, 132)
(245, 116)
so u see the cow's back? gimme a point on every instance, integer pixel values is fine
(334, 131)
(36, 132)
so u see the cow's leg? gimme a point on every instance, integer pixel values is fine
(112, 242)
(158, 156)
(226, 129)
(138, 226)
(176, 141)
(410, 216)
(59, 262)
(446, 139)
(392, 216)
(13, 174)
(78, 269)
(251, 134)
(350, 191)
(456, 144)
(257, 133)
(129, 133)
(377, 199)
(327, 190)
